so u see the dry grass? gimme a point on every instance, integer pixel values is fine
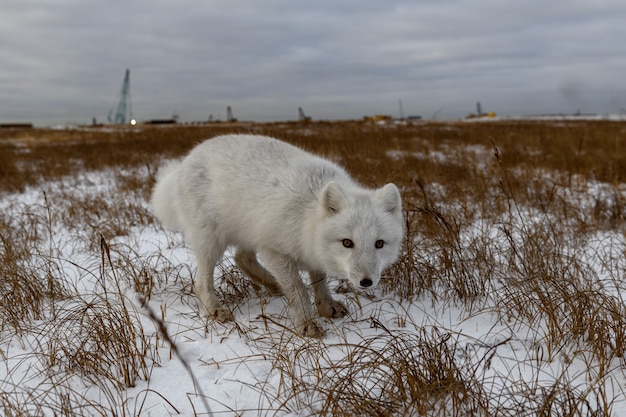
(398, 373)
(522, 222)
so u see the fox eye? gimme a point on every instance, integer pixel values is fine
(347, 243)
(379, 244)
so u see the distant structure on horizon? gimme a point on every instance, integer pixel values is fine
(480, 113)
(229, 115)
(122, 113)
(303, 117)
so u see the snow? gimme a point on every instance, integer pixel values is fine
(240, 368)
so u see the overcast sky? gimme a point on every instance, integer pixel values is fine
(64, 60)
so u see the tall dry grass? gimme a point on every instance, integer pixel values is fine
(508, 219)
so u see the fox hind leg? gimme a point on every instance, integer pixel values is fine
(208, 252)
(247, 262)
(288, 278)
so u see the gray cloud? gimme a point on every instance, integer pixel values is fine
(64, 60)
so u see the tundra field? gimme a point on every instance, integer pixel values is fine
(507, 299)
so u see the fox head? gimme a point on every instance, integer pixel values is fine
(359, 232)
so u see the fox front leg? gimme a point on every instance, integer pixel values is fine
(327, 306)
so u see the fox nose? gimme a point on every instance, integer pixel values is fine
(366, 282)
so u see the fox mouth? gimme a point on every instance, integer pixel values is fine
(346, 287)
(355, 283)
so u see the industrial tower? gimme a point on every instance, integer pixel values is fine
(122, 113)
(229, 115)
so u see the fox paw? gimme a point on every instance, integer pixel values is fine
(312, 329)
(332, 309)
(222, 315)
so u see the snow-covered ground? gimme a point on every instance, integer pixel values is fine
(256, 365)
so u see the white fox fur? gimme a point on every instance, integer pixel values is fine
(295, 210)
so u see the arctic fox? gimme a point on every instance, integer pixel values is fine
(297, 211)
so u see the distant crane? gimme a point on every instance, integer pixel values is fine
(122, 113)
(229, 115)
(303, 117)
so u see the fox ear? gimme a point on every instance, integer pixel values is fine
(389, 198)
(332, 198)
